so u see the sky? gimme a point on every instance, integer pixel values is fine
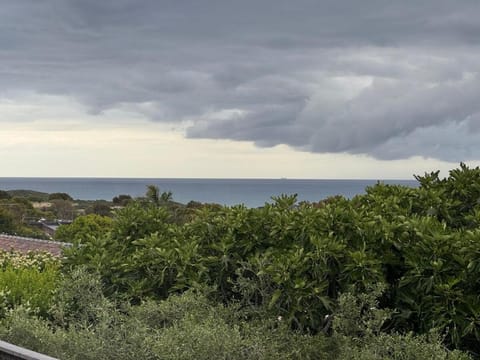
(371, 89)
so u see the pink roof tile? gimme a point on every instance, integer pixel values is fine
(24, 245)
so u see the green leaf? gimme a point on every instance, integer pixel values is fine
(276, 295)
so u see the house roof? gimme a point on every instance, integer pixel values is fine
(24, 245)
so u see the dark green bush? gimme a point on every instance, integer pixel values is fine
(83, 227)
(60, 196)
(293, 260)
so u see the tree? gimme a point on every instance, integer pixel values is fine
(7, 222)
(154, 196)
(122, 200)
(166, 196)
(4, 195)
(99, 208)
(83, 227)
(60, 196)
(63, 209)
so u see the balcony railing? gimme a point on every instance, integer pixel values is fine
(13, 352)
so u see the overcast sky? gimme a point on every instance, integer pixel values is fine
(251, 88)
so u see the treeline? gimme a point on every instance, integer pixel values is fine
(21, 211)
(393, 273)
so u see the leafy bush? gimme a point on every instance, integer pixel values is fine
(60, 196)
(36, 260)
(294, 260)
(29, 279)
(122, 200)
(82, 227)
(358, 324)
(190, 326)
(4, 195)
(7, 222)
(182, 327)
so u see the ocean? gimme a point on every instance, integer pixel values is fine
(250, 192)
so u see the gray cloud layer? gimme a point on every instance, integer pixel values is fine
(383, 78)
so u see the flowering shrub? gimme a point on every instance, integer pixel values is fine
(17, 260)
(28, 279)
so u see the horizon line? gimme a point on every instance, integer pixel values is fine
(197, 178)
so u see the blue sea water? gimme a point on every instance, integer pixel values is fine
(251, 192)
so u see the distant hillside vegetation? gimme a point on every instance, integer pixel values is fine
(29, 194)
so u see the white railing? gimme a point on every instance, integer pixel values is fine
(13, 352)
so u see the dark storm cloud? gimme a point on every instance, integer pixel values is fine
(388, 79)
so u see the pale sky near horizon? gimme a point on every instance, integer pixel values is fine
(248, 89)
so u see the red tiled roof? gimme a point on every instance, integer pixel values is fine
(24, 245)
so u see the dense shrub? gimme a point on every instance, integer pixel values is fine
(87, 325)
(83, 227)
(358, 326)
(293, 260)
(59, 196)
(4, 195)
(28, 280)
(7, 222)
(122, 200)
(13, 212)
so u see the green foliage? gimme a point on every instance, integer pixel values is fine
(87, 325)
(83, 227)
(4, 195)
(157, 198)
(31, 232)
(122, 200)
(60, 196)
(30, 195)
(457, 196)
(153, 194)
(13, 214)
(7, 221)
(19, 208)
(294, 260)
(79, 299)
(36, 260)
(399, 347)
(357, 328)
(63, 209)
(99, 207)
(28, 280)
(131, 256)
